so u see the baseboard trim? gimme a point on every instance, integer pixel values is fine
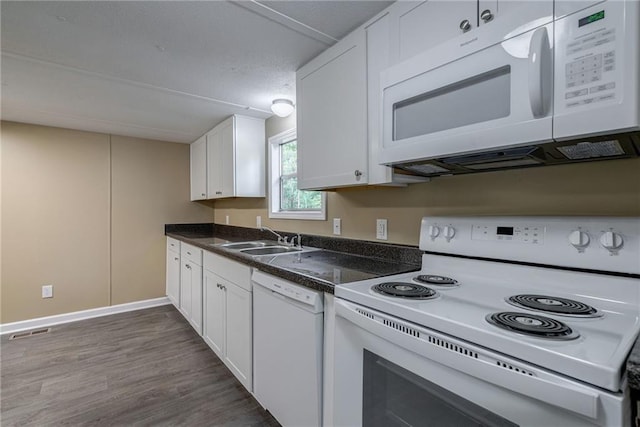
(80, 315)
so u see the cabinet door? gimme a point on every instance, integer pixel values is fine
(420, 26)
(173, 277)
(198, 151)
(186, 277)
(515, 17)
(226, 154)
(196, 298)
(214, 176)
(332, 116)
(214, 313)
(238, 335)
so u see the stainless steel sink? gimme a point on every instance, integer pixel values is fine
(248, 245)
(272, 250)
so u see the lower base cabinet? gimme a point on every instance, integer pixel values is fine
(227, 325)
(191, 285)
(173, 271)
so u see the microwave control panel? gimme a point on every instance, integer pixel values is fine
(590, 66)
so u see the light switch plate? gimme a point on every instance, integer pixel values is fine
(337, 226)
(381, 229)
(258, 221)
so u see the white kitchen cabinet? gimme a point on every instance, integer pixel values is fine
(332, 116)
(419, 26)
(236, 158)
(198, 150)
(228, 315)
(173, 271)
(191, 285)
(238, 343)
(214, 313)
(378, 58)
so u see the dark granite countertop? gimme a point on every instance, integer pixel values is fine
(633, 366)
(336, 260)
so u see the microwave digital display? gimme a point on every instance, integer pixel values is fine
(591, 18)
(505, 231)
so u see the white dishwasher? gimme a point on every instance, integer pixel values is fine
(287, 350)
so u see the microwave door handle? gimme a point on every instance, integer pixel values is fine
(539, 72)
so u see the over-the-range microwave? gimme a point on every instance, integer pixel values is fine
(555, 82)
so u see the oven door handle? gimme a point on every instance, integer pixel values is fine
(476, 362)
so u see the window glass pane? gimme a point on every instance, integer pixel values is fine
(289, 157)
(292, 199)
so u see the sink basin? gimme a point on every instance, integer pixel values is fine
(272, 250)
(247, 245)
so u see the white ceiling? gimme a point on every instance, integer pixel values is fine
(167, 70)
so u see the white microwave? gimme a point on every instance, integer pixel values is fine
(533, 89)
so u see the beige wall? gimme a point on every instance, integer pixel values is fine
(150, 187)
(596, 188)
(85, 212)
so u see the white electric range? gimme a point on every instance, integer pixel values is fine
(511, 321)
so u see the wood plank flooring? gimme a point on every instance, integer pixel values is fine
(146, 367)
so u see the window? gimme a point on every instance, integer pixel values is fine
(285, 200)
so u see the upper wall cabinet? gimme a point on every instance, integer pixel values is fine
(419, 26)
(199, 169)
(234, 160)
(332, 116)
(379, 57)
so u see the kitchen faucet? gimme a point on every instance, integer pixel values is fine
(283, 240)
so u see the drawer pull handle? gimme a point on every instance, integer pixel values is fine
(177, 259)
(188, 266)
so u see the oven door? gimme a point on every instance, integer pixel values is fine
(497, 97)
(388, 372)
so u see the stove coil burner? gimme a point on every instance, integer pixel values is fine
(405, 290)
(436, 280)
(532, 325)
(553, 305)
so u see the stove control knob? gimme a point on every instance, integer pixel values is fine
(611, 241)
(579, 239)
(449, 232)
(434, 231)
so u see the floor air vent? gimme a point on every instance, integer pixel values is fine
(453, 347)
(29, 333)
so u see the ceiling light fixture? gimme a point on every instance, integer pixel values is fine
(282, 107)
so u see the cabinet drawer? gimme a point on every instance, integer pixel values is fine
(232, 271)
(191, 253)
(173, 244)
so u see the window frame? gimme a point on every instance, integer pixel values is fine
(273, 148)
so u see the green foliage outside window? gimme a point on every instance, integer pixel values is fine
(292, 199)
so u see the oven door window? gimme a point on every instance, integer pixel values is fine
(393, 396)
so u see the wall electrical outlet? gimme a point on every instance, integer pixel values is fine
(337, 226)
(226, 219)
(381, 229)
(258, 221)
(47, 291)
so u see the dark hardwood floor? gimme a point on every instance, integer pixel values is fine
(146, 367)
